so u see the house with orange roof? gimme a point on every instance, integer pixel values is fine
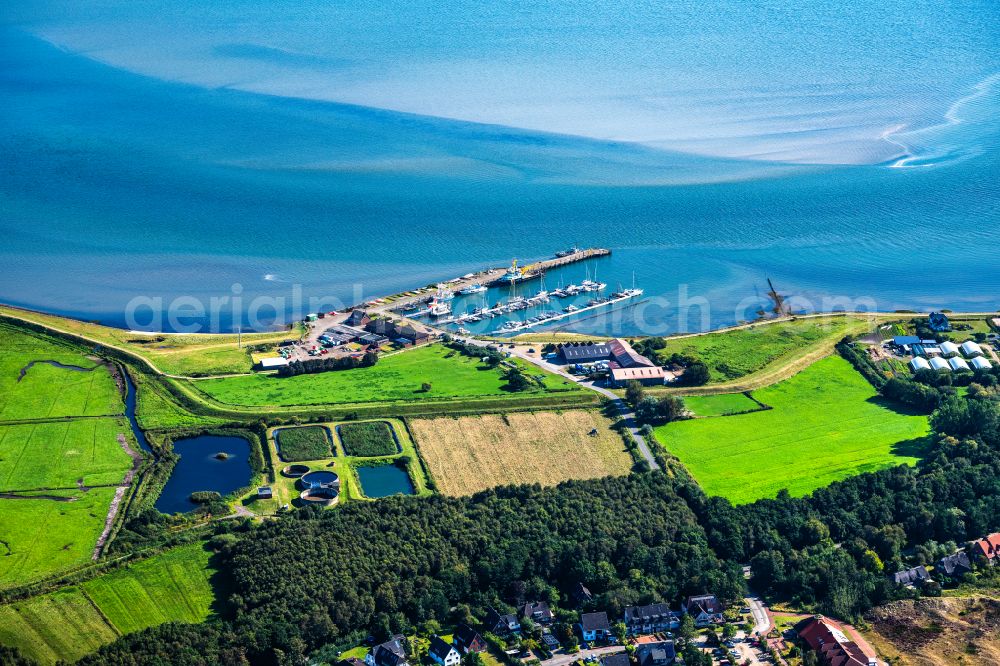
(987, 549)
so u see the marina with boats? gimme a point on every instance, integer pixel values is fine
(497, 302)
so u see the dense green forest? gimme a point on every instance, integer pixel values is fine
(320, 578)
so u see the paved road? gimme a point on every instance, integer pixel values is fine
(762, 623)
(629, 417)
(566, 659)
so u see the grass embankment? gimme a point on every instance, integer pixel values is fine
(305, 443)
(286, 491)
(722, 404)
(53, 525)
(827, 423)
(395, 378)
(74, 621)
(749, 358)
(194, 355)
(371, 438)
(156, 409)
(473, 453)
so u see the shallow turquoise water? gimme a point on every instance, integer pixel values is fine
(345, 151)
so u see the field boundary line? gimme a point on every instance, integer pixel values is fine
(97, 609)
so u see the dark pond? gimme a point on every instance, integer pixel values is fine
(384, 480)
(199, 469)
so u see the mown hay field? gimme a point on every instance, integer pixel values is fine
(469, 454)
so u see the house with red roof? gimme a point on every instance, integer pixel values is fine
(987, 549)
(828, 640)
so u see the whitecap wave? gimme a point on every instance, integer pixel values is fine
(938, 143)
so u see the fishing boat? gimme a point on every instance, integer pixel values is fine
(440, 309)
(474, 289)
(515, 274)
(566, 253)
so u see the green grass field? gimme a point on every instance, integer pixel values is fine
(47, 391)
(57, 454)
(734, 354)
(371, 438)
(157, 409)
(201, 354)
(74, 621)
(721, 404)
(827, 423)
(39, 537)
(305, 443)
(394, 378)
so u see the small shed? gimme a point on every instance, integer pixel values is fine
(957, 363)
(919, 364)
(264, 492)
(273, 362)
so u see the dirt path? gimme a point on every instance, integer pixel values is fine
(119, 495)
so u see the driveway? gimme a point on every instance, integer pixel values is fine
(566, 659)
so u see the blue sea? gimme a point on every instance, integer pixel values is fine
(164, 164)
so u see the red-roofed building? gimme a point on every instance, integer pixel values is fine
(647, 376)
(623, 354)
(987, 549)
(831, 644)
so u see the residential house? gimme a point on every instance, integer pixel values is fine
(987, 549)
(538, 612)
(390, 653)
(594, 627)
(358, 319)
(651, 619)
(444, 653)
(501, 624)
(831, 644)
(467, 640)
(911, 577)
(616, 659)
(938, 321)
(953, 566)
(661, 653)
(705, 609)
